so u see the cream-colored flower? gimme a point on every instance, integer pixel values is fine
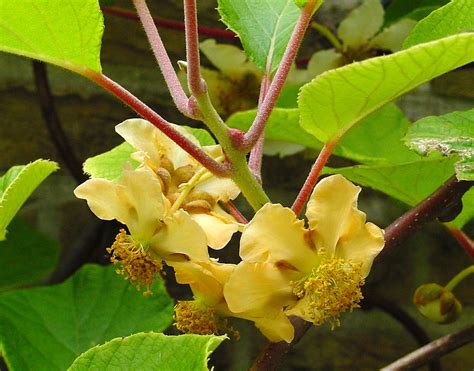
(156, 233)
(185, 183)
(314, 273)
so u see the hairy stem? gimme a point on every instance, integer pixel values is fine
(171, 23)
(222, 170)
(463, 239)
(429, 209)
(53, 124)
(313, 176)
(195, 82)
(433, 350)
(281, 74)
(159, 51)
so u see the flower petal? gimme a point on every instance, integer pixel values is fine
(276, 329)
(179, 235)
(276, 235)
(218, 230)
(135, 200)
(330, 210)
(258, 290)
(144, 136)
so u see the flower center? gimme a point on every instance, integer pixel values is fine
(333, 287)
(133, 261)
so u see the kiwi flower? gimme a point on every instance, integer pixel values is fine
(184, 182)
(313, 272)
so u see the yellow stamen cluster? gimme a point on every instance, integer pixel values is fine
(134, 263)
(191, 318)
(333, 287)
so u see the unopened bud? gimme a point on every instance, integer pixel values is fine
(437, 304)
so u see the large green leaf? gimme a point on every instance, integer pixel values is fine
(409, 182)
(65, 33)
(26, 256)
(264, 27)
(404, 8)
(339, 99)
(453, 18)
(47, 328)
(467, 212)
(16, 185)
(452, 133)
(150, 351)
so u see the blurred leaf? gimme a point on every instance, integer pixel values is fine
(16, 185)
(339, 99)
(47, 328)
(150, 351)
(65, 33)
(109, 165)
(453, 18)
(203, 136)
(409, 182)
(452, 133)
(264, 27)
(26, 256)
(402, 8)
(467, 213)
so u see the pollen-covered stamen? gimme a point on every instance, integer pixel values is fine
(333, 287)
(192, 318)
(133, 262)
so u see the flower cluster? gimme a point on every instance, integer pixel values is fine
(170, 205)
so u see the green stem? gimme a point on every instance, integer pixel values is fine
(328, 34)
(459, 277)
(241, 174)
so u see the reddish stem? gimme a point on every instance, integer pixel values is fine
(235, 212)
(174, 86)
(223, 170)
(171, 24)
(281, 74)
(463, 239)
(196, 84)
(313, 176)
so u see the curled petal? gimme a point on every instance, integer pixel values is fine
(145, 137)
(275, 235)
(330, 210)
(258, 290)
(179, 235)
(135, 200)
(276, 329)
(218, 228)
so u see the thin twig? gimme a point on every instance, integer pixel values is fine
(395, 311)
(53, 123)
(313, 176)
(235, 212)
(281, 74)
(196, 84)
(171, 24)
(463, 239)
(433, 350)
(429, 209)
(159, 51)
(219, 169)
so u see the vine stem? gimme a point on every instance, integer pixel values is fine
(463, 239)
(180, 99)
(218, 169)
(171, 23)
(313, 176)
(459, 277)
(433, 350)
(264, 111)
(446, 196)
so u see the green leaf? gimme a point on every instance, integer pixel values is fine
(150, 351)
(28, 254)
(264, 27)
(339, 99)
(409, 182)
(402, 8)
(109, 165)
(203, 136)
(449, 134)
(47, 328)
(467, 213)
(453, 18)
(17, 185)
(65, 33)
